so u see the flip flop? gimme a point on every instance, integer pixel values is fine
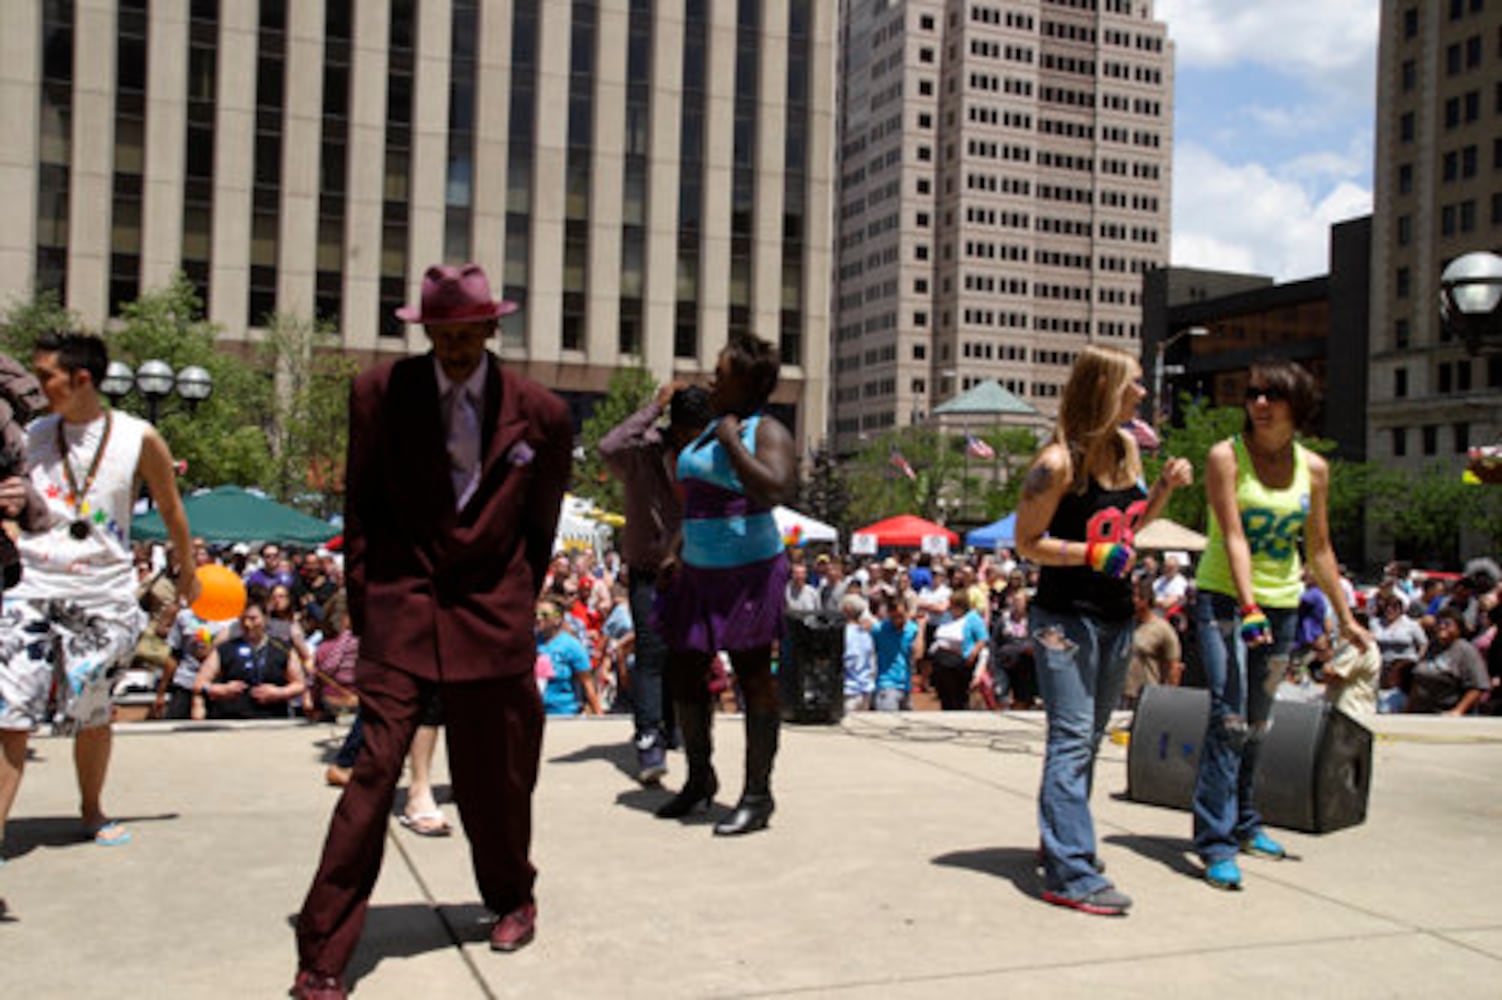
(111, 834)
(426, 824)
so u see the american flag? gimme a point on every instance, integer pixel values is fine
(902, 464)
(976, 448)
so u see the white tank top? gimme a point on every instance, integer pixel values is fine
(96, 571)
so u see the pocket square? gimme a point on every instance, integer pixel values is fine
(521, 453)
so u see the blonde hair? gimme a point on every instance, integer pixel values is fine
(1089, 408)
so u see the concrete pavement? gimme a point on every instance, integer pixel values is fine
(899, 864)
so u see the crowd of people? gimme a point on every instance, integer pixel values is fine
(449, 608)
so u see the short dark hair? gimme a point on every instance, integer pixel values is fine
(1294, 382)
(689, 407)
(1451, 615)
(748, 354)
(75, 352)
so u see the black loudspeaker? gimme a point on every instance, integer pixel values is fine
(811, 673)
(1313, 774)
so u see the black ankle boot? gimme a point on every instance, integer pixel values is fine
(700, 786)
(755, 807)
(752, 813)
(697, 793)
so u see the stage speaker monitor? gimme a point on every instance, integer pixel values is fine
(1314, 772)
(811, 673)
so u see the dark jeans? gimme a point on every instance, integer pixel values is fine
(1241, 710)
(353, 740)
(650, 714)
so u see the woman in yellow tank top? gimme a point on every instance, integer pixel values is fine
(1266, 493)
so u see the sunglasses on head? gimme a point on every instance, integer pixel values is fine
(1271, 393)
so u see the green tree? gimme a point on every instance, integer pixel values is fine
(1001, 491)
(629, 390)
(308, 426)
(223, 439)
(879, 489)
(27, 319)
(1202, 426)
(825, 494)
(1422, 512)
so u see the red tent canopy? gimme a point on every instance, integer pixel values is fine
(906, 531)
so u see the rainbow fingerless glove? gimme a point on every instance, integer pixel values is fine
(1255, 629)
(1109, 558)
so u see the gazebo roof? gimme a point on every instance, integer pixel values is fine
(988, 398)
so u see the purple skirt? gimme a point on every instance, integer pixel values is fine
(707, 610)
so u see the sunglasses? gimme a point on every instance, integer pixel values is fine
(1271, 393)
(546, 615)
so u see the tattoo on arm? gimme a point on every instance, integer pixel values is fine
(1038, 482)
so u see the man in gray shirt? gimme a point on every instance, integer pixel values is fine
(645, 459)
(1452, 677)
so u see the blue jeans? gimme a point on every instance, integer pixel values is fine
(650, 664)
(1240, 715)
(1082, 666)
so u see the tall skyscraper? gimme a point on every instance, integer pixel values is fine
(645, 176)
(1004, 184)
(1438, 194)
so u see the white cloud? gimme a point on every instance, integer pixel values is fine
(1317, 39)
(1251, 217)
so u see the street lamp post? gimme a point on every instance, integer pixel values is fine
(1469, 296)
(155, 380)
(1159, 368)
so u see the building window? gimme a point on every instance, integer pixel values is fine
(921, 251)
(1462, 437)
(1405, 126)
(1468, 216)
(1405, 178)
(920, 352)
(1431, 439)
(1400, 334)
(1399, 441)
(1405, 230)
(1410, 23)
(1443, 379)
(1400, 383)
(1462, 376)
(1401, 280)
(926, 55)
(1409, 75)
(926, 22)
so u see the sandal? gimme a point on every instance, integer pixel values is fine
(426, 824)
(110, 833)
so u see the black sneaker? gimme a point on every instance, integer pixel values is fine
(1105, 902)
(651, 763)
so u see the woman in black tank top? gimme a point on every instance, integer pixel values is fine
(1082, 505)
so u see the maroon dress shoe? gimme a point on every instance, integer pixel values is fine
(515, 930)
(310, 985)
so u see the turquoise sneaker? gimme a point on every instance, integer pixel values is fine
(1225, 874)
(1263, 846)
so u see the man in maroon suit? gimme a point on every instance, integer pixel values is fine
(456, 471)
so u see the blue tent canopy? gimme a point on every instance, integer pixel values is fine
(998, 534)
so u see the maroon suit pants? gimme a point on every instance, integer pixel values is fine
(494, 731)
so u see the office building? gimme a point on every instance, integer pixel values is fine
(644, 176)
(1438, 194)
(1004, 179)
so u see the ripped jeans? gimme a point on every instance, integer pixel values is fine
(1082, 665)
(1240, 715)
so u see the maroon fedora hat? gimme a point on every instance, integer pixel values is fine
(455, 295)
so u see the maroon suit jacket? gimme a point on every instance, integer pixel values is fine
(440, 593)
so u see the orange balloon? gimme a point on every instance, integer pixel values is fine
(221, 595)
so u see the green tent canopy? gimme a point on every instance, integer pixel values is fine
(231, 514)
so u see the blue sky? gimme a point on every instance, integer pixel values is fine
(1273, 129)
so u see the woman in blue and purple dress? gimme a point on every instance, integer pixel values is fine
(724, 589)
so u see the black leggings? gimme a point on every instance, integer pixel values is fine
(688, 677)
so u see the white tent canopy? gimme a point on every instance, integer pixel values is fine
(1164, 534)
(809, 529)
